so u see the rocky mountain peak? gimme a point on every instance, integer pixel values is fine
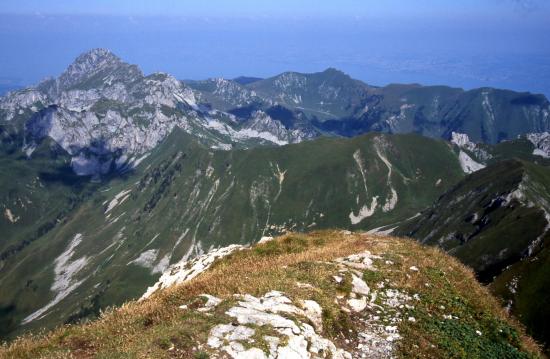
(541, 141)
(93, 63)
(97, 55)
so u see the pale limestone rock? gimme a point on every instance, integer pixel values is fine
(358, 305)
(314, 312)
(359, 261)
(211, 303)
(186, 270)
(302, 340)
(359, 286)
(265, 240)
(257, 317)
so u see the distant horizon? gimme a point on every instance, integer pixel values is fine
(23, 86)
(480, 50)
(366, 81)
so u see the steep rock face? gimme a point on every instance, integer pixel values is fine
(275, 130)
(101, 139)
(495, 115)
(16, 102)
(101, 110)
(467, 150)
(90, 125)
(252, 114)
(541, 141)
(105, 112)
(225, 94)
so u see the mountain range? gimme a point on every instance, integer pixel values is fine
(111, 177)
(106, 113)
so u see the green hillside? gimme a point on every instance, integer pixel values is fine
(36, 195)
(496, 221)
(185, 199)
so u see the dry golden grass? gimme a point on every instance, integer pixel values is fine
(154, 327)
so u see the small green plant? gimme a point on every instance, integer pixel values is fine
(290, 244)
(345, 285)
(370, 276)
(201, 355)
(337, 322)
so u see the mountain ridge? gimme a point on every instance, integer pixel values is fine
(99, 94)
(496, 221)
(435, 111)
(332, 294)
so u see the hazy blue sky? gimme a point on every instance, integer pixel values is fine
(468, 43)
(278, 7)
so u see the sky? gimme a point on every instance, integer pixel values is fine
(467, 43)
(283, 8)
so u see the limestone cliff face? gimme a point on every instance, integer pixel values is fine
(105, 112)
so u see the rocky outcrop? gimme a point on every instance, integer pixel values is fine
(467, 150)
(541, 141)
(185, 270)
(296, 326)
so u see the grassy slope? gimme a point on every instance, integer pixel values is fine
(187, 199)
(526, 282)
(158, 328)
(471, 219)
(38, 192)
(524, 287)
(521, 149)
(475, 223)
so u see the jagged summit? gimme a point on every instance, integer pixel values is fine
(89, 65)
(97, 55)
(92, 61)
